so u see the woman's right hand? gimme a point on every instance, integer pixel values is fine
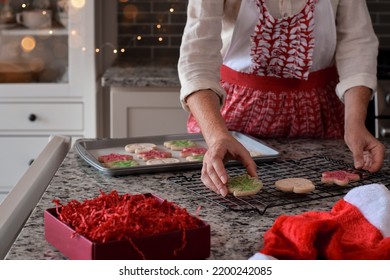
(214, 174)
(222, 146)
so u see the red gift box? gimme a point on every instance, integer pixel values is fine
(154, 247)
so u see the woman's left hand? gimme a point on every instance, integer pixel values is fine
(368, 153)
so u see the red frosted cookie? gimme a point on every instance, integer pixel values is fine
(193, 151)
(339, 177)
(154, 154)
(114, 157)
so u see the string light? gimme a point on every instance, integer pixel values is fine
(109, 45)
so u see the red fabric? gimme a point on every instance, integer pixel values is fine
(283, 47)
(269, 107)
(342, 233)
(279, 97)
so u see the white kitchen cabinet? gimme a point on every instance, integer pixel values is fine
(146, 111)
(47, 84)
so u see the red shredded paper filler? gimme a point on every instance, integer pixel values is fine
(114, 217)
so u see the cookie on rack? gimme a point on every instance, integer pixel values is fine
(339, 177)
(295, 185)
(140, 147)
(178, 145)
(244, 185)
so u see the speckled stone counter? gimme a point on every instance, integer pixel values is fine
(140, 73)
(234, 234)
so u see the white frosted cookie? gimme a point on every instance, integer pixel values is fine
(140, 147)
(244, 185)
(162, 161)
(295, 185)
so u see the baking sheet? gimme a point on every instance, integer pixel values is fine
(91, 149)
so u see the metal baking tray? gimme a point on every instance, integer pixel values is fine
(91, 149)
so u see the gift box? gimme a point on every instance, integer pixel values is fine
(164, 246)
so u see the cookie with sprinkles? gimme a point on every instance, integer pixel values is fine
(121, 164)
(178, 145)
(244, 185)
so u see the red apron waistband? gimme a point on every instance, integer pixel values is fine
(316, 79)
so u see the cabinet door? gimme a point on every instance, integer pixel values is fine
(17, 154)
(146, 112)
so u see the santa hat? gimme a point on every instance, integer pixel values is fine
(357, 228)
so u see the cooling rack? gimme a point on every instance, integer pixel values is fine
(269, 172)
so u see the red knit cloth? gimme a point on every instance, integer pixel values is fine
(342, 233)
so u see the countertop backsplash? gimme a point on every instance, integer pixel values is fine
(153, 29)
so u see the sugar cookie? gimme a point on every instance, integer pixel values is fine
(339, 177)
(244, 185)
(162, 161)
(120, 164)
(178, 145)
(192, 151)
(295, 185)
(152, 154)
(195, 158)
(140, 147)
(114, 157)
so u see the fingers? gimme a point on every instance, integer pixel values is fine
(369, 158)
(358, 159)
(249, 164)
(214, 174)
(215, 177)
(375, 158)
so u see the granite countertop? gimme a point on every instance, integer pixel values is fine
(234, 234)
(141, 73)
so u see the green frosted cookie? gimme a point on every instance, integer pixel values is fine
(123, 163)
(178, 145)
(244, 185)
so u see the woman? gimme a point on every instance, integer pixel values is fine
(278, 68)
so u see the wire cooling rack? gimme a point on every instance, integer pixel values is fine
(269, 172)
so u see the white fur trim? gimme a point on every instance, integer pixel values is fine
(374, 203)
(260, 256)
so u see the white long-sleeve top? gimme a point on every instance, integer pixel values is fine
(212, 25)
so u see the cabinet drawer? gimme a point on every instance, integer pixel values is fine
(41, 116)
(18, 153)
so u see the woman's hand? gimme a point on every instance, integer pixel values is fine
(214, 174)
(368, 153)
(222, 146)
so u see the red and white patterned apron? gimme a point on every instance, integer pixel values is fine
(280, 98)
